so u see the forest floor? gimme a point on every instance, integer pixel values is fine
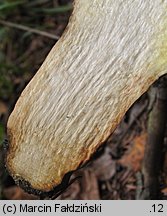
(113, 172)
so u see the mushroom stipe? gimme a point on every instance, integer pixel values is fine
(109, 55)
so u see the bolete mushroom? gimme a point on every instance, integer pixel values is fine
(109, 55)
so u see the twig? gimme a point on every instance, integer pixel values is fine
(139, 185)
(153, 159)
(29, 29)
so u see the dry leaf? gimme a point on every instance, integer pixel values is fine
(104, 167)
(16, 193)
(3, 108)
(134, 156)
(89, 186)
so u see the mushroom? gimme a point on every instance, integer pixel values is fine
(109, 55)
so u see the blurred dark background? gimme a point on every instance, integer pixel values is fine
(28, 30)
